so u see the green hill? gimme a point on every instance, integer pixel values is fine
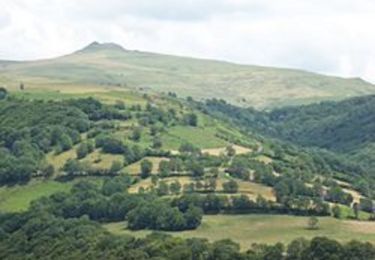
(345, 127)
(103, 66)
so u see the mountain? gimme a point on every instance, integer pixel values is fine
(109, 65)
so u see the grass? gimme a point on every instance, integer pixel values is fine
(248, 229)
(108, 96)
(200, 137)
(17, 198)
(100, 160)
(222, 150)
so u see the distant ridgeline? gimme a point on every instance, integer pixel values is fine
(108, 65)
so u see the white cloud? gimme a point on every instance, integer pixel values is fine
(334, 37)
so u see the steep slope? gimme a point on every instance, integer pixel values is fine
(109, 65)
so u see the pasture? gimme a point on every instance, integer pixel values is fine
(249, 229)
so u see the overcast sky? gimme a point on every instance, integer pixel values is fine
(328, 36)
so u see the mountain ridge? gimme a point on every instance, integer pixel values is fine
(111, 65)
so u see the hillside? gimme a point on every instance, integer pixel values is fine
(132, 163)
(100, 67)
(346, 127)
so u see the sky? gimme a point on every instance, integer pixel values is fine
(335, 37)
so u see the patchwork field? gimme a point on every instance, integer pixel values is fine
(248, 229)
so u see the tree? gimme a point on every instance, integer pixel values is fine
(116, 166)
(230, 151)
(230, 186)
(175, 164)
(146, 168)
(337, 195)
(3, 93)
(212, 183)
(337, 212)
(191, 119)
(296, 248)
(49, 171)
(197, 170)
(189, 187)
(82, 151)
(65, 142)
(136, 134)
(356, 208)
(164, 168)
(154, 179)
(323, 248)
(110, 144)
(162, 189)
(367, 205)
(72, 167)
(175, 187)
(188, 148)
(193, 217)
(313, 223)
(157, 143)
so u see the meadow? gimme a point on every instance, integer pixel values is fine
(249, 229)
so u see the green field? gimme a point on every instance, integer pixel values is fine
(17, 198)
(199, 137)
(248, 229)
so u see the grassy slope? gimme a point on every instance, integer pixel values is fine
(18, 198)
(248, 229)
(106, 67)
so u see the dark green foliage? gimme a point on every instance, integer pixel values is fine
(188, 149)
(230, 186)
(116, 167)
(337, 195)
(213, 203)
(110, 144)
(73, 167)
(146, 168)
(84, 149)
(30, 129)
(337, 212)
(175, 187)
(164, 169)
(136, 134)
(3, 93)
(195, 167)
(367, 205)
(116, 184)
(157, 142)
(191, 119)
(160, 216)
